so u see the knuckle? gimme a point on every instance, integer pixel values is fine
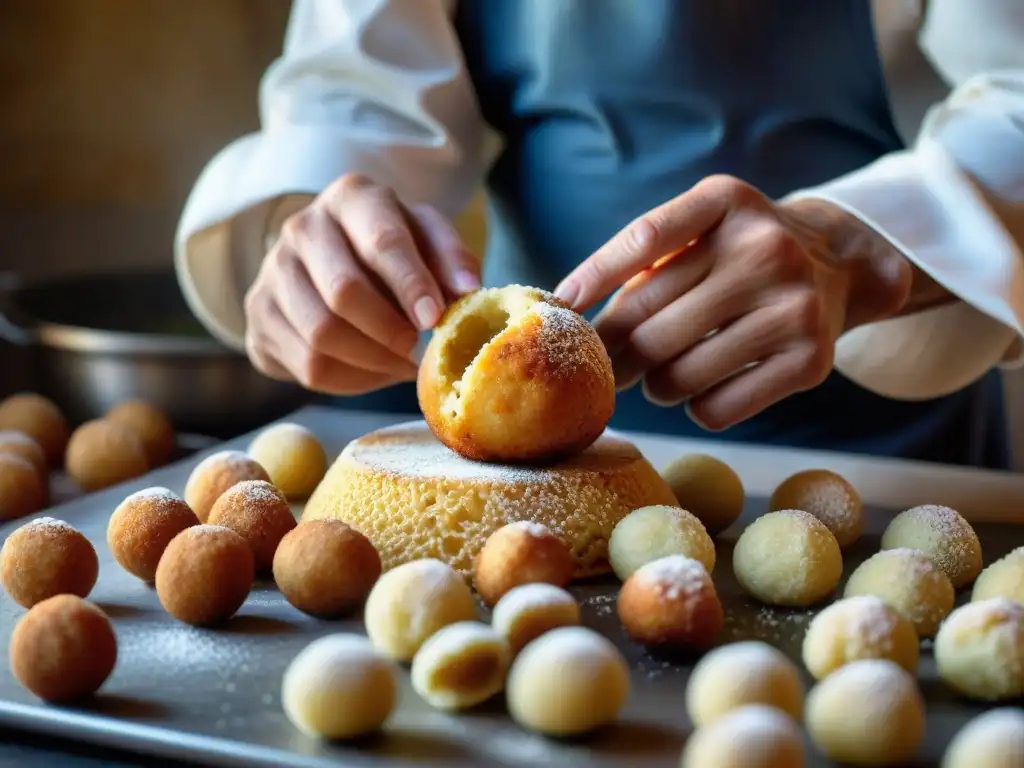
(806, 315)
(729, 187)
(296, 227)
(815, 362)
(386, 237)
(343, 289)
(642, 234)
(311, 370)
(349, 184)
(319, 329)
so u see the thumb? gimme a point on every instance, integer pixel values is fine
(453, 265)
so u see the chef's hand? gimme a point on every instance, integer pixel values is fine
(352, 279)
(730, 302)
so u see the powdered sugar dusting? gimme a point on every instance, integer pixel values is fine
(156, 493)
(985, 613)
(868, 621)
(565, 340)
(255, 492)
(676, 576)
(14, 437)
(49, 524)
(536, 530)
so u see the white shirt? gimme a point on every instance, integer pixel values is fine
(379, 87)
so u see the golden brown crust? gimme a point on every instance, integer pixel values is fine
(259, 513)
(521, 553)
(413, 498)
(44, 558)
(17, 443)
(142, 526)
(102, 453)
(214, 475)
(153, 428)
(23, 490)
(534, 380)
(40, 419)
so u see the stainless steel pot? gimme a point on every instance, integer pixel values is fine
(95, 340)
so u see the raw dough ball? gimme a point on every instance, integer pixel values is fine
(293, 458)
(1003, 578)
(979, 649)
(325, 567)
(707, 488)
(671, 602)
(40, 419)
(259, 513)
(526, 612)
(411, 602)
(994, 739)
(568, 681)
(752, 736)
(910, 582)
(63, 649)
(828, 497)
(102, 453)
(788, 558)
(143, 525)
(214, 475)
(460, 666)
(22, 488)
(512, 375)
(151, 425)
(739, 674)
(47, 557)
(205, 575)
(651, 533)
(867, 712)
(855, 628)
(339, 687)
(521, 553)
(942, 534)
(20, 444)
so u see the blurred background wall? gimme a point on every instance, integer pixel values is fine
(108, 111)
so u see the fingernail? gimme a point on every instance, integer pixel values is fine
(653, 399)
(568, 291)
(698, 422)
(426, 312)
(465, 281)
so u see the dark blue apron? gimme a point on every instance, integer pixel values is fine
(611, 107)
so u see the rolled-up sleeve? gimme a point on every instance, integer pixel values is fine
(370, 86)
(953, 203)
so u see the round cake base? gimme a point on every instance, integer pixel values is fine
(414, 498)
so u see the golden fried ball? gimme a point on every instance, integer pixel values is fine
(102, 453)
(293, 457)
(941, 533)
(526, 612)
(151, 425)
(40, 419)
(1004, 578)
(19, 444)
(979, 650)
(259, 513)
(994, 739)
(650, 533)
(214, 475)
(143, 525)
(752, 736)
(23, 490)
(521, 553)
(205, 575)
(325, 568)
(63, 649)
(708, 488)
(828, 497)
(44, 558)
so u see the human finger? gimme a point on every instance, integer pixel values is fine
(447, 257)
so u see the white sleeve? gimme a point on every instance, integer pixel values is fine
(952, 204)
(370, 86)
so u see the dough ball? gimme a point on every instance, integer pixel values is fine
(292, 456)
(23, 490)
(707, 488)
(44, 558)
(19, 444)
(671, 602)
(867, 712)
(526, 612)
(942, 534)
(979, 650)
(411, 602)
(103, 453)
(40, 419)
(910, 582)
(650, 533)
(740, 674)
(214, 475)
(828, 497)
(259, 513)
(205, 575)
(521, 553)
(788, 558)
(512, 375)
(63, 649)
(751, 736)
(325, 567)
(568, 681)
(143, 525)
(856, 628)
(994, 739)
(1003, 578)
(460, 666)
(151, 425)
(339, 687)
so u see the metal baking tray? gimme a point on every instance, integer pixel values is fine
(213, 695)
